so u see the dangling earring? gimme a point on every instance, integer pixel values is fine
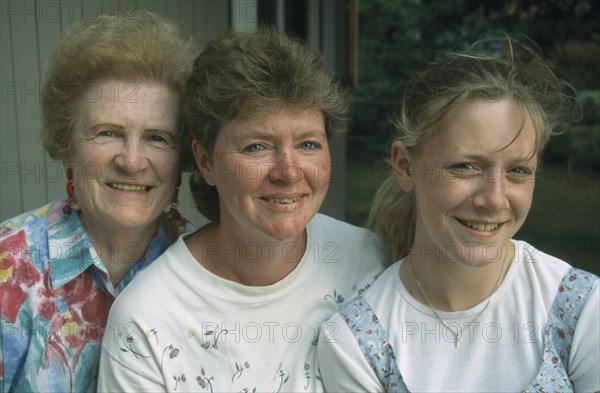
(176, 223)
(173, 211)
(72, 203)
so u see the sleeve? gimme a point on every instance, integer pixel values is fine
(127, 361)
(584, 357)
(342, 365)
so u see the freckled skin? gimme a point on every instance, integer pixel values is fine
(272, 173)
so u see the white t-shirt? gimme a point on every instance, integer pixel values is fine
(501, 351)
(179, 327)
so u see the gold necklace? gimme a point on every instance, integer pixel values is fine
(458, 333)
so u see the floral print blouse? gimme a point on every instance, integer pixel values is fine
(55, 295)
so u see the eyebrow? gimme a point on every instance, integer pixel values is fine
(479, 157)
(260, 134)
(100, 126)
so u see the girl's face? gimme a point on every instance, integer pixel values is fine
(473, 182)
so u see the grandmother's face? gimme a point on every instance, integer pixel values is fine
(124, 155)
(271, 171)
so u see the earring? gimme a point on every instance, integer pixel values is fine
(72, 203)
(174, 211)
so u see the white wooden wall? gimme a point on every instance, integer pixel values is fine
(30, 30)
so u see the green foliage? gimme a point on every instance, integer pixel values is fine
(399, 37)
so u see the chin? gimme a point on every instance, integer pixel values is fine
(283, 232)
(128, 221)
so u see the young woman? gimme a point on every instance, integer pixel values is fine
(467, 308)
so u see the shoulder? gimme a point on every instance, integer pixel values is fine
(30, 219)
(347, 244)
(538, 265)
(157, 281)
(529, 254)
(540, 272)
(324, 222)
(347, 236)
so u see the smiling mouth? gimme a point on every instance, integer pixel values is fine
(129, 187)
(284, 201)
(478, 226)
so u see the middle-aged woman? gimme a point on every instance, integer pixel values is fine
(111, 108)
(237, 305)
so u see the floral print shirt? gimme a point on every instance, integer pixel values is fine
(55, 295)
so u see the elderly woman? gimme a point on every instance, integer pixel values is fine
(237, 305)
(111, 112)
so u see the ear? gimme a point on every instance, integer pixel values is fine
(205, 167)
(403, 168)
(66, 160)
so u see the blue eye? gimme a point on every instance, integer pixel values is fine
(254, 148)
(463, 167)
(158, 138)
(106, 133)
(522, 173)
(309, 145)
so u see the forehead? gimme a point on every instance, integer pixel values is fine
(485, 127)
(126, 99)
(277, 123)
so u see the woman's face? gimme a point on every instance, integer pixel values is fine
(271, 171)
(473, 182)
(124, 155)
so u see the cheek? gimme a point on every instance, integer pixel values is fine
(525, 200)
(319, 171)
(168, 164)
(90, 162)
(437, 193)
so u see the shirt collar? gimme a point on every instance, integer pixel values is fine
(71, 251)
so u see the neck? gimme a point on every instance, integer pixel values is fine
(453, 286)
(119, 250)
(252, 263)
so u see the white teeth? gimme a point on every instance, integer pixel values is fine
(480, 227)
(129, 187)
(285, 200)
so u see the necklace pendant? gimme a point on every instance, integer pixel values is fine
(456, 343)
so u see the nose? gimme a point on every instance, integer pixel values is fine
(132, 158)
(286, 168)
(492, 193)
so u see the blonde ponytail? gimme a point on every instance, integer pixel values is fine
(392, 217)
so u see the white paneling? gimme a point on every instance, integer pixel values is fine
(10, 184)
(212, 19)
(49, 33)
(244, 15)
(27, 76)
(160, 7)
